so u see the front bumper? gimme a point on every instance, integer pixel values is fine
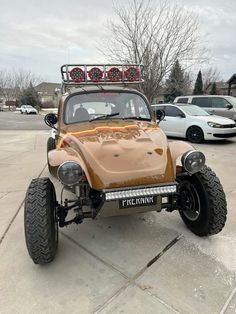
(220, 133)
(137, 199)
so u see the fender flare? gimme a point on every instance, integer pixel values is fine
(58, 156)
(178, 148)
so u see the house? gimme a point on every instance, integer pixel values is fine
(232, 85)
(49, 93)
(223, 88)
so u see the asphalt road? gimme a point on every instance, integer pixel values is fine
(17, 121)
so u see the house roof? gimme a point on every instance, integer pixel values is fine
(232, 79)
(47, 88)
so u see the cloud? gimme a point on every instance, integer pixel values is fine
(42, 35)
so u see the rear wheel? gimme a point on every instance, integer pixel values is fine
(41, 227)
(195, 134)
(51, 144)
(203, 203)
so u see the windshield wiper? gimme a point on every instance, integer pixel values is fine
(137, 118)
(105, 116)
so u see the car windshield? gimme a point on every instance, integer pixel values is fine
(108, 105)
(193, 110)
(232, 100)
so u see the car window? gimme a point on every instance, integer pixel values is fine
(182, 100)
(193, 110)
(201, 101)
(218, 102)
(157, 108)
(172, 111)
(83, 107)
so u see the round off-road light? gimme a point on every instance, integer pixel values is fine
(69, 173)
(193, 161)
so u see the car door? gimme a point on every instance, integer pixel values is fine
(219, 107)
(174, 122)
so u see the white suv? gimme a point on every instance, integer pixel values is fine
(220, 105)
(28, 109)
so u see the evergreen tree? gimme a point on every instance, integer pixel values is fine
(213, 90)
(30, 97)
(176, 83)
(198, 87)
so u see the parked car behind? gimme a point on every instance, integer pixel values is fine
(28, 109)
(220, 105)
(194, 123)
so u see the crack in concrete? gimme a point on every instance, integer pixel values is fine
(164, 303)
(17, 212)
(130, 280)
(5, 194)
(227, 303)
(95, 256)
(176, 239)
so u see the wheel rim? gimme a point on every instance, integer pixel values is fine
(191, 202)
(195, 134)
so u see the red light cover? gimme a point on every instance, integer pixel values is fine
(114, 74)
(95, 74)
(77, 75)
(132, 74)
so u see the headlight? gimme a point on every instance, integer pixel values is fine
(69, 172)
(214, 125)
(193, 161)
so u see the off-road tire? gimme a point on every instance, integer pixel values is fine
(195, 134)
(51, 144)
(213, 205)
(41, 228)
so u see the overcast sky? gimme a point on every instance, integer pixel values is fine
(42, 35)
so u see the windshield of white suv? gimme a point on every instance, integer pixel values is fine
(193, 110)
(105, 105)
(232, 100)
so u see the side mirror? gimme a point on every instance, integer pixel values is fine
(180, 115)
(50, 119)
(229, 106)
(160, 114)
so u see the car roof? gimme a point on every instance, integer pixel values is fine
(227, 96)
(176, 105)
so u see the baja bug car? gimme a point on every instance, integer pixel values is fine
(108, 149)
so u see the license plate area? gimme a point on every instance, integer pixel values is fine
(138, 201)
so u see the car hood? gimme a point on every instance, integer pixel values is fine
(118, 153)
(214, 118)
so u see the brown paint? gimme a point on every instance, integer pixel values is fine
(118, 155)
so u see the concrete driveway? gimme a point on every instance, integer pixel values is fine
(147, 263)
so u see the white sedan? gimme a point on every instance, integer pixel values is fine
(28, 109)
(194, 123)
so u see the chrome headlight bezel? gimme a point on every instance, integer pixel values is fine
(69, 173)
(193, 161)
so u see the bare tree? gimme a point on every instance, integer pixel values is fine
(154, 36)
(14, 82)
(209, 75)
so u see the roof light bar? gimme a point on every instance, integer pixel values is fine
(90, 74)
(115, 195)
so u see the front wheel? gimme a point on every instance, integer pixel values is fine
(203, 203)
(40, 217)
(195, 134)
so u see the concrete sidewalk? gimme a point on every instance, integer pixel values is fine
(147, 263)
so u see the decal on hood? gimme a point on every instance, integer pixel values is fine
(63, 137)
